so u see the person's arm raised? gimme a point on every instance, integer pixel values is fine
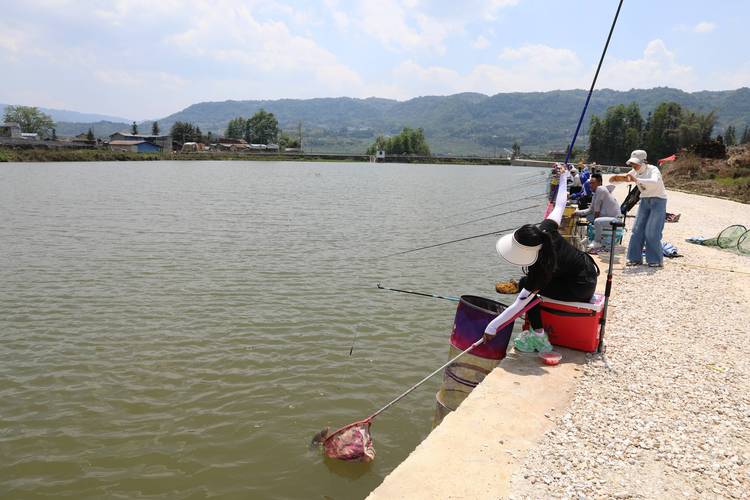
(562, 197)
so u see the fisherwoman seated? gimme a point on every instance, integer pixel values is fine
(552, 267)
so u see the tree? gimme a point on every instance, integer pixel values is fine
(134, 128)
(619, 133)
(515, 149)
(262, 128)
(90, 135)
(597, 143)
(663, 135)
(287, 141)
(155, 128)
(183, 132)
(408, 142)
(745, 135)
(30, 119)
(54, 134)
(198, 135)
(236, 128)
(730, 136)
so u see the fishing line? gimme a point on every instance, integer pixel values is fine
(500, 204)
(449, 242)
(488, 217)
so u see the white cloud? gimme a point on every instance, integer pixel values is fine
(540, 58)
(657, 67)
(481, 42)
(264, 49)
(526, 68)
(492, 7)
(704, 27)
(400, 26)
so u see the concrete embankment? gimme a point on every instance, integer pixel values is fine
(671, 419)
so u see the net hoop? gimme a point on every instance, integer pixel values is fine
(729, 237)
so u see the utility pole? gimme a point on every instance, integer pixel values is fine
(299, 133)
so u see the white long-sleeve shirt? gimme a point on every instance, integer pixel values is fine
(649, 182)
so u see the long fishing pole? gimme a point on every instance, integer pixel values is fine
(488, 217)
(452, 298)
(449, 242)
(593, 83)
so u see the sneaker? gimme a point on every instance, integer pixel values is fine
(632, 263)
(655, 264)
(542, 342)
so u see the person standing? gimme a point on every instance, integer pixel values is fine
(604, 209)
(649, 223)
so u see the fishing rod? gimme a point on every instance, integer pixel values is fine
(452, 298)
(593, 84)
(449, 242)
(488, 217)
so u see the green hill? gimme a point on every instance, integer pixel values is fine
(467, 123)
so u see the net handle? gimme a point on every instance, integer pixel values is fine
(470, 348)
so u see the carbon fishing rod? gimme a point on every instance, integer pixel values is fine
(488, 217)
(499, 231)
(452, 298)
(593, 84)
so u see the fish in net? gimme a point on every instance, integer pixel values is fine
(352, 443)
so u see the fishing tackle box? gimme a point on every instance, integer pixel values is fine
(573, 324)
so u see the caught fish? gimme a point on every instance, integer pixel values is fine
(318, 438)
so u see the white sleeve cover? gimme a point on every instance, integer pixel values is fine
(562, 197)
(510, 312)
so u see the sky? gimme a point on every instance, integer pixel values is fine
(145, 59)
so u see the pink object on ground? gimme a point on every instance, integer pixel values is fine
(550, 358)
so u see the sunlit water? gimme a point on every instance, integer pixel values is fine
(182, 329)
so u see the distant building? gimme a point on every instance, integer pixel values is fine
(31, 136)
(10, 129)
(135, 146)
(164, 142)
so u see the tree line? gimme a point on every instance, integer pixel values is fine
(664, 132)
(409, 142)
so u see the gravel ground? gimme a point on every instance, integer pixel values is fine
(672, 417)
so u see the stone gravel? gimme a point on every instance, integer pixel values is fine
(670, 417)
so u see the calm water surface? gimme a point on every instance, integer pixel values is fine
(181, 330)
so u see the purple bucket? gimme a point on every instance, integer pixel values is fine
(473, 314)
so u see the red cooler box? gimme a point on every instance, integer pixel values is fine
(573, 324)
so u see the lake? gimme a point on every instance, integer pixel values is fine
(182, 329)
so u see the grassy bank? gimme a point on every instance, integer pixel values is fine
(728, 178)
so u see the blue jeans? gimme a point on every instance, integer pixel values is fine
(647, 231)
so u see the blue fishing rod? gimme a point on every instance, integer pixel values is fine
(593, 84)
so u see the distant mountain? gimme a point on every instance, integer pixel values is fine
(466, 123)
(462, 123)
(101, 129)
(62, 115)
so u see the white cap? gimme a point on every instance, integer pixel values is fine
(516, 253)
(638, 157)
